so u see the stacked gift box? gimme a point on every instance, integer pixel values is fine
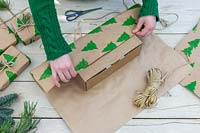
(13, 61)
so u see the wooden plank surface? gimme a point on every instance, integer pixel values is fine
(176, 112)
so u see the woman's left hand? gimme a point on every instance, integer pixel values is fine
(145, 26)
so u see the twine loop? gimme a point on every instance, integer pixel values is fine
(148, 98)
(26, 22)
(4, 64)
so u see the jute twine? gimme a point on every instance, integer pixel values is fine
(4, 64)
(148, 98)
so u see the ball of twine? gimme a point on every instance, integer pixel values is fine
(148, 98)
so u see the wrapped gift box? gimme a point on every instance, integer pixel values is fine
(98, 54)
(25, 29)
(12, 63)
(7, 37)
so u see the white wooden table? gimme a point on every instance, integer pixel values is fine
(176, 112)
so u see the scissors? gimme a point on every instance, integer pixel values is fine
(73, 14)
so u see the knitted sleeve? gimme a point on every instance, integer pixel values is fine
(150, 7)
(45, 18)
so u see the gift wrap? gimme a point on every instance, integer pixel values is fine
(25, 28)
(109, 105)
(7, 37)
(189, 48)
(12, 63)
(98, 54)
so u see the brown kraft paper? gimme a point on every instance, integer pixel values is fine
(109, 105)
(189, 48)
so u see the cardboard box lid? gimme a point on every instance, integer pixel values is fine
(102, 41)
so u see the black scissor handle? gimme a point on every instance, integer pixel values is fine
(72, 15)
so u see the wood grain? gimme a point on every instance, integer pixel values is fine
(176, 112)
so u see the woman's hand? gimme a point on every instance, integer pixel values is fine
(145, 26)
(62, 69)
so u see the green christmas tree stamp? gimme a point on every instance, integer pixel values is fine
(194, 43)
(123, 37)
(192, 64)
(187, 51)
(1, 51)
(191, 86)
(81, 65)
(109, 47)
(9, 58)
(11, 75)
(72, 46)
(134, 6)
(90, 46)
(96, 30)
(194, 29)
(129, 21)
(110, 21)
(46, 74)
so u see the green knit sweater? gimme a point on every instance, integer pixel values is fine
(45, 18)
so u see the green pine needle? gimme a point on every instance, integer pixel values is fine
(8, 100)
(4, 4)
(6, 127)
(4, 117)
(6, 111)
(27, 122)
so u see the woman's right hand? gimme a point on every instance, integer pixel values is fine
(62, 69)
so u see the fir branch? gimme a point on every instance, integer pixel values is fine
(6, 127)
(4, 117)
(27, 122)
(8, 100)
(6, 111)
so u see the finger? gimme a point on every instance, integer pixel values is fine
(138, 27)
(62, 76)
(67, 75)
(55, 77)
(143, 32)
(148, 33)
(73, 72)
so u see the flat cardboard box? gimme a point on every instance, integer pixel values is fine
(103, 51)
(7, 37)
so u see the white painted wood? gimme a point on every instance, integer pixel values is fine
(133, 126)
(161, 126)
(178, 103)
(185, 10)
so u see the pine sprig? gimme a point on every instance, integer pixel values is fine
(6, 127)
(8, 100)
(27, 122)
